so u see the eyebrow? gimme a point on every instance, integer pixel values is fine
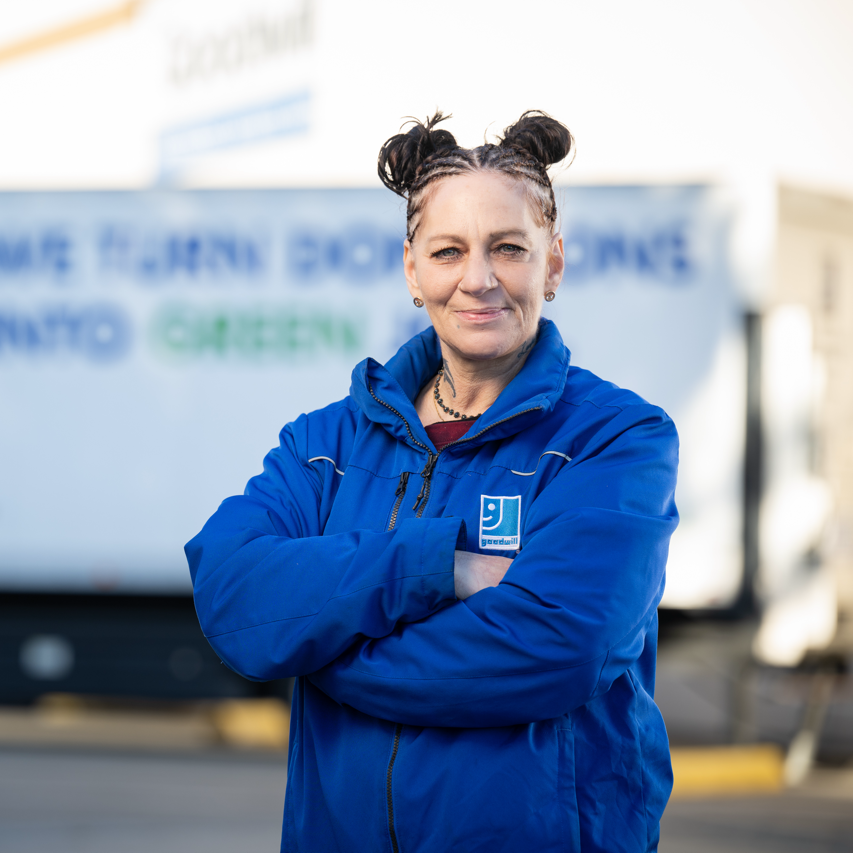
(495, 235)
(510, 232)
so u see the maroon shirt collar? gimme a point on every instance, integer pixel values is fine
(446, 432)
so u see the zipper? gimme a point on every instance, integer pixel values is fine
(408, 428)
(388, 796)
(432, 458)
(400, 494)
(419, 507)
(423, 494)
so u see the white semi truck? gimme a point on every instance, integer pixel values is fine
(153, 343)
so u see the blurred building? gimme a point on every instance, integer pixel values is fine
(808, 414)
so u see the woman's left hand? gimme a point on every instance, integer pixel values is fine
(473, 572)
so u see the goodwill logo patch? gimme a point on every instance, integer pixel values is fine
(499, 522)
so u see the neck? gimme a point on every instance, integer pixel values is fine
(471, 386)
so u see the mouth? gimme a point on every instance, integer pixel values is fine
(482, 315)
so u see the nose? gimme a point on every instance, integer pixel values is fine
(479, 276)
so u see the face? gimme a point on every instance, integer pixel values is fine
(482, 264)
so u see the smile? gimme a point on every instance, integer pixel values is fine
(482, 315)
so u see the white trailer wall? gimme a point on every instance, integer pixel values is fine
(152, 344)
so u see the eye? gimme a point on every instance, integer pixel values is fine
(510, 250)
(445, 254)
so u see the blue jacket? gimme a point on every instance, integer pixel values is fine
(519, 719)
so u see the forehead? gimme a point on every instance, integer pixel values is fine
(481, 199)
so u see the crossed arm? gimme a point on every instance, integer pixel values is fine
(405, 626)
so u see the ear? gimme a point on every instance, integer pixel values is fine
(409, 269)
(556, 263)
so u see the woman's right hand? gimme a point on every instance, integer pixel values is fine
(473, 572)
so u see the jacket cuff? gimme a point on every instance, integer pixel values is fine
(441, 539)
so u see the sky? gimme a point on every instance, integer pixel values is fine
(660, 91)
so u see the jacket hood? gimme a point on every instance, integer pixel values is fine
(385, 393)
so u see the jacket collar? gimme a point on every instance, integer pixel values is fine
(385, 393)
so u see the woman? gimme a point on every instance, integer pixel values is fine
(461, 561)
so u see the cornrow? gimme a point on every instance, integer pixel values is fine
(409, 163)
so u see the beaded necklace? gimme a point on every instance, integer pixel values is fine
(439, 402)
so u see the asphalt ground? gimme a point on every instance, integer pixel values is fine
(82, 775)
(811, 819)
(59, 800)
(55, 801)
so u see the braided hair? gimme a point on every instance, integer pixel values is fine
(410, 162)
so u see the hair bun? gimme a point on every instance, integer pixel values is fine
(541, 136)
(401, 156)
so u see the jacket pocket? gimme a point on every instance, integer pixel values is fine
(566, 790)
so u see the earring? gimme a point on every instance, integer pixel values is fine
(419, 303)
(550, 296)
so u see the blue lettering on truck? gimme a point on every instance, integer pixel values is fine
(192, 254)
(662, 253)
(46, 252)
(99, 332)
(361, 254)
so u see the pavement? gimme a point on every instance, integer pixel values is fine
(84, 775)
(816, 817)
(66, 801)
(221, 800)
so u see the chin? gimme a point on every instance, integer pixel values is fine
(483, 347)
